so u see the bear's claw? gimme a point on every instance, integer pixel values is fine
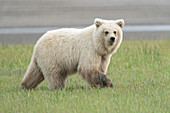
(104, 81)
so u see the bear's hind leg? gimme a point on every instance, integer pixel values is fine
(33, 76)
(56, 80)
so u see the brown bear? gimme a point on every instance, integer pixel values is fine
(63, 52)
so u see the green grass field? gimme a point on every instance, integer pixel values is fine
(140, 72)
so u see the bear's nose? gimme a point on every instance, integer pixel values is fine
(112, 39)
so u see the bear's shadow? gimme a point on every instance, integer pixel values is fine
(68, 88)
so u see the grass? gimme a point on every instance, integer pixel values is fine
(140, 72)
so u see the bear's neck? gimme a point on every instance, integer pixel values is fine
(99, 46)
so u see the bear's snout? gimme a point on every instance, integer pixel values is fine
(112, 39)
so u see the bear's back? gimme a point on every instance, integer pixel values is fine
(63, 46)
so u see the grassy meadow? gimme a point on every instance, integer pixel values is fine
(140, 72)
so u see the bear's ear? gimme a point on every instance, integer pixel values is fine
(98, 22)
(120, 22)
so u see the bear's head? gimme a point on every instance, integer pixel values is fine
(107, 35)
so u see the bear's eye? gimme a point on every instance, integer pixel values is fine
(106, 32)
(114, 32)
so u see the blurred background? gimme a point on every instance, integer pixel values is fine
(24, 21)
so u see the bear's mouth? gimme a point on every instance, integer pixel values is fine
(111, 42)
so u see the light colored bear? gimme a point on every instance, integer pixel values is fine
(63, 52)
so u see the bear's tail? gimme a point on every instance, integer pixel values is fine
(33, 76)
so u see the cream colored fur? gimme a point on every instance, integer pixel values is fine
(63, 52)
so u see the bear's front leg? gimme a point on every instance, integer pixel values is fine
(104, 81)
(105, 60)
(94, 78)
